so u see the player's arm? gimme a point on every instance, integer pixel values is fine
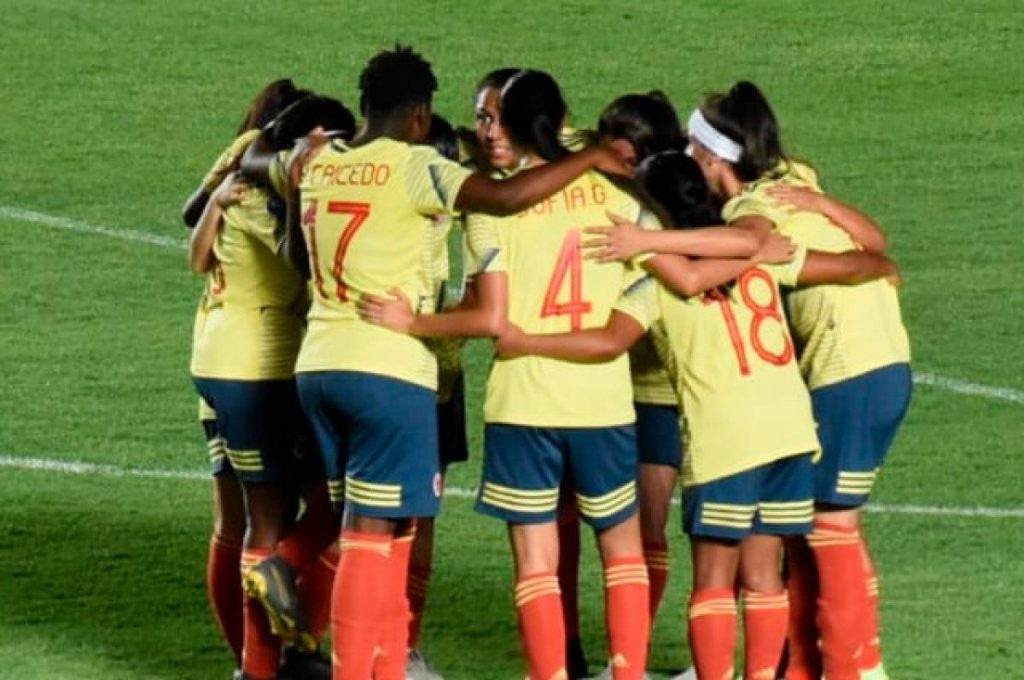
(484, 314)
(849, 268)
(688, 277)
(594, 345)
(201, 258)
(626, 239)
(861, 228)
(480, 193)
(194, 206)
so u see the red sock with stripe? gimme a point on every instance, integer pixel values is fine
(224, 588)
(261, 649)
(419, 583)
(311, 535)
(842, 599)
(627, 616)
(360, 586)
(804, 659)
(541, 626)
(871, 653)
(315, 587)
(712, 616)
(765, 621)
(656, 557)
(391, 662)
(569, 568)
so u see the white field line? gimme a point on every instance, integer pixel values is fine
(973, 389)
(104, 470)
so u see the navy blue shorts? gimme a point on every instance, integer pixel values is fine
(857, 422)
(378, 439)
(773, 499)
(659, 440)
(255, 428)
(524, 468)
(216, 449)
(451, 425)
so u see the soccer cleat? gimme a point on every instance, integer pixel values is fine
(606, 674)
(300, 664)
(689, 674)
(238, 675)
(575, 659)
(417, 668)
(272, 583)
(876, 673)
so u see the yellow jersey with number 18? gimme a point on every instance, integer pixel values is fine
(367, 222)
(744, 403)
(841, 331)
(553, 289)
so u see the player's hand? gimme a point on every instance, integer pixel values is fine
(305, 148)
(393, 312)
(799, 198)
(511, 343)
(616, 243)
(777, 249)
(607, 160)
(231, 190)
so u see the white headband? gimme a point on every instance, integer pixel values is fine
(717, 143)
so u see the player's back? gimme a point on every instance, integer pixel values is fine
(553, 289)
(841, 331)
(366, 219)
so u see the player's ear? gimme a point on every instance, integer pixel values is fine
(421, 119)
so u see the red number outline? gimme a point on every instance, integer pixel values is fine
(569, 262)
(359, 213)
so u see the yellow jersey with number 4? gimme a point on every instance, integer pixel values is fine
(553, 289)
(249, 323)
(744, 403)
(367, 221)
(841, 331)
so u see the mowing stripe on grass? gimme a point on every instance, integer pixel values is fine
(31, 216)
(105, 470)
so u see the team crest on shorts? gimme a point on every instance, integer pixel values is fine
(438, 485)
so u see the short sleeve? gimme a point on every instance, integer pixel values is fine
(789, 273)
(752, 205)
(432, 181)
(485, 251)
(228, 159)
(647, 220)
(639, 299)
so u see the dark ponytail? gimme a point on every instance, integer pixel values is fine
(310, 112)
(744, 115)
(647, 121)
(674, 185)
(269, 103)
(532, 111)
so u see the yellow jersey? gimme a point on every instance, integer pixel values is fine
(228, 159)
(249, 323)
(553, 289)
(743, 401)
(840, 331)
(652, 383)
(367, 221)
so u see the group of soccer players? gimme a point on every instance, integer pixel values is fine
(666, 304)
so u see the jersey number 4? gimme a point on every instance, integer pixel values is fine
(761, 312)
(569, 264)
(357, 214)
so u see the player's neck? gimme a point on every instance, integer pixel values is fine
(377, 128)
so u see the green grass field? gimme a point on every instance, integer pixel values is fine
(112, 110)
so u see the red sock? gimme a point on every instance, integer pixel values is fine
(419, 583)
(804, 659)
(712, 617)
(871, 652)
(360, 586)
(842, 600)
(569, 569)
(391, 662)
(311, 535)
(261, 650)
(224, 588)
(627, 616)
(765, 620)
(541, 626)
(656, 556)
(315, 586)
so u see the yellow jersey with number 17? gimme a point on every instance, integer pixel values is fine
(366, 220)
(744, 403)
(841, 331)
(553, 289)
